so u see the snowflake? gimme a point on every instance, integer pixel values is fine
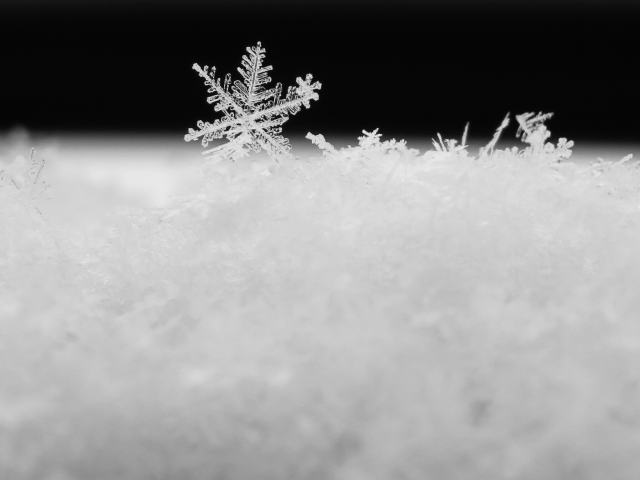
(560, 152)
(253, 115)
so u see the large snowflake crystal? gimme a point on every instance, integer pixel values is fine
(253, 115)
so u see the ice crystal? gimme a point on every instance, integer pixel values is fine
(23, 177)
(532, 129)
(253, 115)
(320, 141)
(602, 166)
(373, 160)
(488, 149)
(22, 180)
(560, 152)
(448, 145)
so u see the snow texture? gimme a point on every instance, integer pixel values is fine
(24, 175)
(375, 313)
(253, 115)
(22, 179)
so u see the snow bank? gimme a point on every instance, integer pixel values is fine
(374, 313)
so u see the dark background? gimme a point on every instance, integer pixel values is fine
(408, 67)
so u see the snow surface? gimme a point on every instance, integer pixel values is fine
(319, 318)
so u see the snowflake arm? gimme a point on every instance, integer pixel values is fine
(255, 76)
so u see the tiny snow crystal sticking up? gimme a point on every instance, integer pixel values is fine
(24, 175)
(252, 114)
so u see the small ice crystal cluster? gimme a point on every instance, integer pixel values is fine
(383, 161)
(253, 115)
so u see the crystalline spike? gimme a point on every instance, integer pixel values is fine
(277, 92)
(488, 149)
(528, 124)
(464, 135)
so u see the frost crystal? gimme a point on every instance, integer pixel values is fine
(533, 130)
(488, 150)
(253, 115)
(24, 176)
(22, 180)
(320, 141)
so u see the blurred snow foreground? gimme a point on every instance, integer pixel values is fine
(375, 313)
